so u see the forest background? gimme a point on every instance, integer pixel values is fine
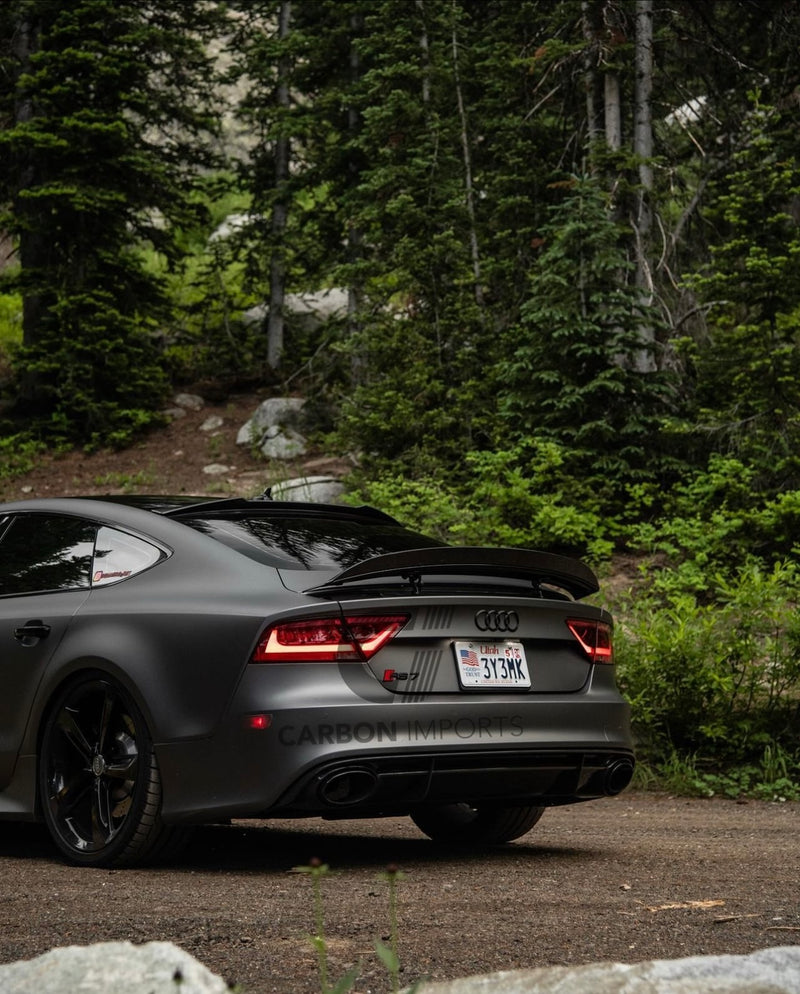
(569, 236)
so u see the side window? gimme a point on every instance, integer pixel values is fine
(118, 555)
(41, 552)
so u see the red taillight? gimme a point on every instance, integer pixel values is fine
(594, 638)
(327, 640)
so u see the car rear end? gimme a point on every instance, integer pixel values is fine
(413, 675)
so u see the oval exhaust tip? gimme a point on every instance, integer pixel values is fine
(345, 787)
(618, 775)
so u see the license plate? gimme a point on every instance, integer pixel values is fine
(492, 664)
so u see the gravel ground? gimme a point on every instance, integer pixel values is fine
(637, 877)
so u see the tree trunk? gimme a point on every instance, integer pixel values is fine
(280, 207)
(592, 28)
(613, 111)
(468, 187)
(643, 150)
(355, 295)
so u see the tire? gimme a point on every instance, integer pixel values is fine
(99, 783)
(462, 824)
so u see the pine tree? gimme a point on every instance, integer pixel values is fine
(573, 375)
(747, 390)
(104, 109)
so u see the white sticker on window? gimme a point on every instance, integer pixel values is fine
(118, 555)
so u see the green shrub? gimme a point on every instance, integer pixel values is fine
(717, 679)
(18, 455)
(513, 497)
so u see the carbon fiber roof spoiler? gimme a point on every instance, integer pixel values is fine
(525, 564)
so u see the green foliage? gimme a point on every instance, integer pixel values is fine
(515, 497)
(774, 778)
(89, 84)
(748, 375)
(713, 521)
(10, 323)
(18, 454)
(574, 369)
(718, 677)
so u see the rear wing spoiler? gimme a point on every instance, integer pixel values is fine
(520, 564)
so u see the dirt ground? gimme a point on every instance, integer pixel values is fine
(172, 460)
(631, 878)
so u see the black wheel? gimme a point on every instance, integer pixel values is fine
(98, 777)
(463, 824)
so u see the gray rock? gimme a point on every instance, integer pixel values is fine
(277, 412)
(111, 968)
(217, 469)
(283, 443)
(768, 971)
(255, 316)
(212, 423)
(312, 310)
(190, 401)
(308, 310)
(311, 489)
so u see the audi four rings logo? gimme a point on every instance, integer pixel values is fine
(497, 621)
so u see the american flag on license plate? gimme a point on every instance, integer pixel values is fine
(469, 657)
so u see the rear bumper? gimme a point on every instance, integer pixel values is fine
(381, 785)
(354, 763)
(319, 748)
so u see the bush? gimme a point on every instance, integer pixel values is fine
(514, 497)
(717, 679)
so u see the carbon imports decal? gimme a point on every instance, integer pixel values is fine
(433, 730)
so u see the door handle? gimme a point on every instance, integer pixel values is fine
(33, 630)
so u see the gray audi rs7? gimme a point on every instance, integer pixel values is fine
(168, 661)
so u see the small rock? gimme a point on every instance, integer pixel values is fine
(190, 401)
(212, 423)
(217, 469)
(174, 413)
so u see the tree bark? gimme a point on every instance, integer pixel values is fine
(468, 186)
(355, 294)
(280, 207)
(643, 150)
(592, 27)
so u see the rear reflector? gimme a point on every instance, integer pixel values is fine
(594, 638)
(327, 640)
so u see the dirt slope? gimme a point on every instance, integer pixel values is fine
(171, 460)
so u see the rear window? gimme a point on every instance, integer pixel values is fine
(312, 543)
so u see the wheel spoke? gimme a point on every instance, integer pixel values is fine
(73, 733)
(105, 720)
(124, 768)
(70, 795)
(102, 821)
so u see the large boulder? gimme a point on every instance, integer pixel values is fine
(310, 489)
(768, 971)
(111, 968)
(273, 428)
